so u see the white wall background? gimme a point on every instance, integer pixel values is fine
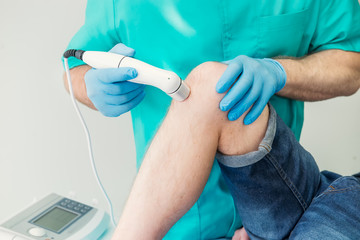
(42, 145)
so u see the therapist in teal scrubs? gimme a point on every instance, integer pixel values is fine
(179, 35)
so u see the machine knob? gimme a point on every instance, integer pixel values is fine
(37, 232)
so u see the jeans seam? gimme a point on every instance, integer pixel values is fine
(327, 192)
(265, 146)
(341, 190)
(288, 182)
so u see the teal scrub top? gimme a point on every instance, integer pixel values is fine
(179, 35)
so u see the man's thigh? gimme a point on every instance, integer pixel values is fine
(274, 185)
(334, 214)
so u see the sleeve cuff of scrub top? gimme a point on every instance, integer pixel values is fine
(236, 161)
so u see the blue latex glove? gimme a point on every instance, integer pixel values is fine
(252, 82)
(109, 90)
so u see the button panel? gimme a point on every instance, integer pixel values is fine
(74, 206)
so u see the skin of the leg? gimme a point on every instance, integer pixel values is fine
(178, 162)
(241, 235)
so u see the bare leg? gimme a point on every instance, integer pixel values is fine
(240, 235)
(178, 163)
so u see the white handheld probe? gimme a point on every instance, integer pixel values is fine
(165, 80)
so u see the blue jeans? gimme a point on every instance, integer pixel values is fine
(281, 194)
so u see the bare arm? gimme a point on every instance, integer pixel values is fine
(322, 75)
(78, 82)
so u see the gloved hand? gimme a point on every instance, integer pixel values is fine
(252, 82)
(109, 90)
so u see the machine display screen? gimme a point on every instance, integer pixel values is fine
(55, 219)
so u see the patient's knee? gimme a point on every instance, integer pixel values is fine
(203, 105)
(201, 108)
(202, 81)
(204, 77)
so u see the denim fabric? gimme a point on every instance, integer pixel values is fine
(274, 186)
(334, 214)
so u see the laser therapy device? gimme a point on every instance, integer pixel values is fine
(56, 218)
(59, 218)
(167, 81)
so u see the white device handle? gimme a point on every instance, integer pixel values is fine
(165, 80)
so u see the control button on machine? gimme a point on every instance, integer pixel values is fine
(70, 206)
(37, 232)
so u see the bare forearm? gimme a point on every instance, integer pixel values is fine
(78, 84)
(322, 75)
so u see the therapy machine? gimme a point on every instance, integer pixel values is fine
(57, 218)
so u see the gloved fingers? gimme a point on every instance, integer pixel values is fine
(232, 72)
(237, 91)
(108, 104)
(120, 87)
(123, 50)
(117, 110)
(123, 98)
(245, 103)
(257, 108)
(97, 91)
(112, 75)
